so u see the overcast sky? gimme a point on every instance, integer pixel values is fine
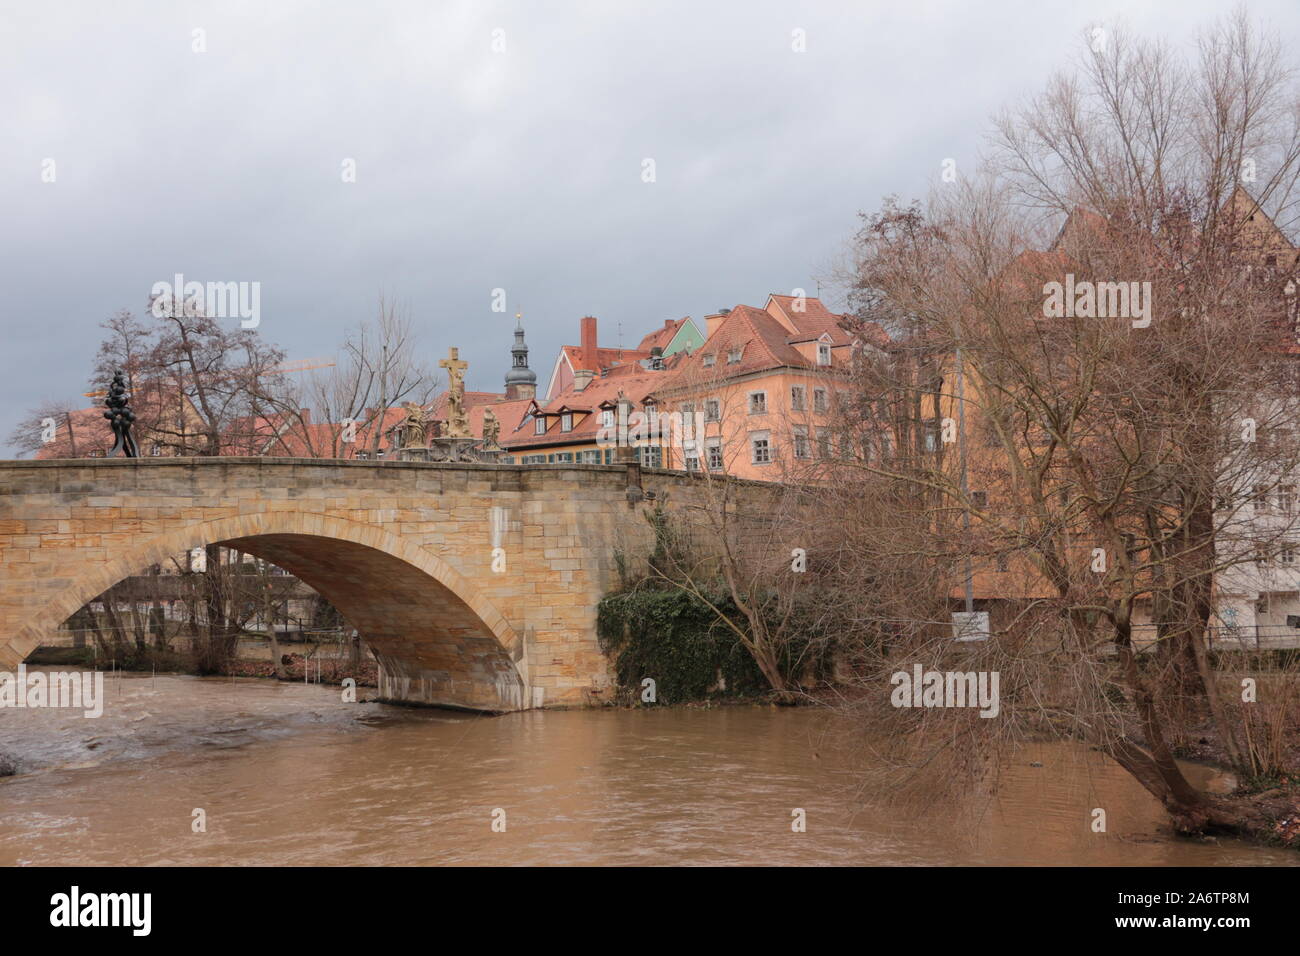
(478, 169)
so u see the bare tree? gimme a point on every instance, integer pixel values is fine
(1109, 468)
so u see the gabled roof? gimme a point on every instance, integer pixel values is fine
(807, 318)
(660, 338)
(629, 380)
(767, 339)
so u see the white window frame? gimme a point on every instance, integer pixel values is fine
(712, 446)
(802, 448)
(751, 405)
(754, 439)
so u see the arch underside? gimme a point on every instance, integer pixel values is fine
(438, 640)
(431, 647)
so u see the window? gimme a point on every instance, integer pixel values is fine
(709, 359)
(931, 435)
(1286, 499)
(1261, 498)
(713, 452)
(979, 499)
(589, 457)
(363, 455)
(1002, 564)
(564, 457)
(819, 399)
(712, 410)
(823, 355)
(692, 457)
(540, 427)
(758, 403)
(607, 417)
(824, 449)
(1287, 554)
(760, 448)
(652, 456)
(796, 398)
(532, 460)
(155, 450)
(733, 357)
(800, 441)
(566, 422)
(688, 420)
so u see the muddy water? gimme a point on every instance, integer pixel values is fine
(288, 774)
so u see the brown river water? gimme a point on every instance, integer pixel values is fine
(289, 774)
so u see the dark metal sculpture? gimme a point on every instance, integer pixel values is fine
(120, 418)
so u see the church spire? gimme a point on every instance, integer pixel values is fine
(521, 381)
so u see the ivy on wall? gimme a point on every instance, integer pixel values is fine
(671, 636)
(675, 639)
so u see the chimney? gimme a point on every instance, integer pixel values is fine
(711, 322)
(587, 357)
(582, 378)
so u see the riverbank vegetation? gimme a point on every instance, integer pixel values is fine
(1105, 481)
(689, 626)
(1100, 487)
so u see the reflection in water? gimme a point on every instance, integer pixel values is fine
(288, 774)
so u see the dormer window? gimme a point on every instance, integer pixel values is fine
(566, 422)
(823, 355)
(709, 359)
(733, 357)
(607, 418)
(540, 427)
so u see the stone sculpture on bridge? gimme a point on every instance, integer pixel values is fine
(120, 418)
(413, 426)
(457, 420)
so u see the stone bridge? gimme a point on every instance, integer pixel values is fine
(404, 550)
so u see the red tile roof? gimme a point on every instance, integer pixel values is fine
(660, 338)
(633, 381)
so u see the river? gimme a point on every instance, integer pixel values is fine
(289, 774)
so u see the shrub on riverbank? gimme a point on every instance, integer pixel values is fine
(674, 638)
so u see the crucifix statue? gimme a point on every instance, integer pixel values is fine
(457, 421)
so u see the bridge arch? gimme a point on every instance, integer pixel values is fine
(438, 639)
